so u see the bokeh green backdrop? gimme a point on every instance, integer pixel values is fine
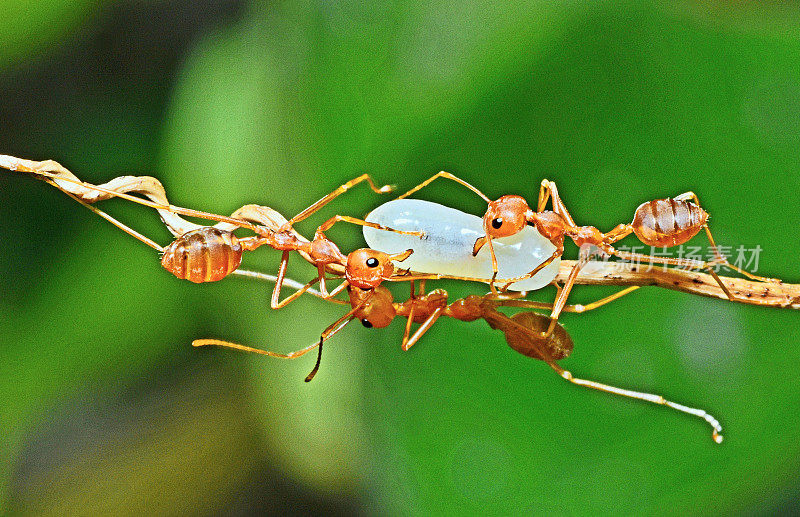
(107, 409)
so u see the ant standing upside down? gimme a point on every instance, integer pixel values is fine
(525, 332)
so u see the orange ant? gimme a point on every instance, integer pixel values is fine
(525, 332)
(663, 222)
(208, 254)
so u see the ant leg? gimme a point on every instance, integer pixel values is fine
(537, 343)
(144, 184)
(647, 397)
(321, 276)
(336, 193)
(479, 243)
(563, 294)
(292, 297)
(547, 191)
(276, 292)
(279, 281)
(686, 196)
(722, 259)
(446, 175)
(326, 334)
(314, 370)
(289, 283)
(338, 289)
(329, 332)
(352, 220)
(236, 346)
(409, 321)
(544, 195)
(426, 325)
(579, 308)
(492, 287)
(693, 264)
(557, 253)
(558, 291)
(122, 226)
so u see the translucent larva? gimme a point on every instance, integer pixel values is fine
(449, 238)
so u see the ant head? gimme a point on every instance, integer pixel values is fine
(506, 216)
(377, 310)
(367, 268)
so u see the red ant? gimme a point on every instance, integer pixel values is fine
(663, 222)
(525, 332)
(207, 254)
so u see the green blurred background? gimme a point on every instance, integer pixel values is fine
(107, 409)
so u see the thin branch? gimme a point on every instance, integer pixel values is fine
(769, 294)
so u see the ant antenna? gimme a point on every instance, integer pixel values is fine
(319, 359)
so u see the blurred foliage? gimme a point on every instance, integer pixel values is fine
(38, 25)
(107, 408)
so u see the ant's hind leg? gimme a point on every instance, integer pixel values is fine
(536, 343)
(647, 397)
(691, 196)
(577, 308)
(122, 226)
(336, 193)
(448, 176)
(639, 258)
(149, 187)
(352, 220)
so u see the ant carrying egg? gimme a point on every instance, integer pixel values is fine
(435, 242)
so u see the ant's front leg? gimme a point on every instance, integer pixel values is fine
(548, 190)
(336, 193)
(446, 175)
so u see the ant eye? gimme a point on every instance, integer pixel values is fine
(372, 262)
(366, 323)
(497, 223)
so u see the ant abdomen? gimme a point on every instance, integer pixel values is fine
(204, 255)
(531, 343)
(668, 222)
